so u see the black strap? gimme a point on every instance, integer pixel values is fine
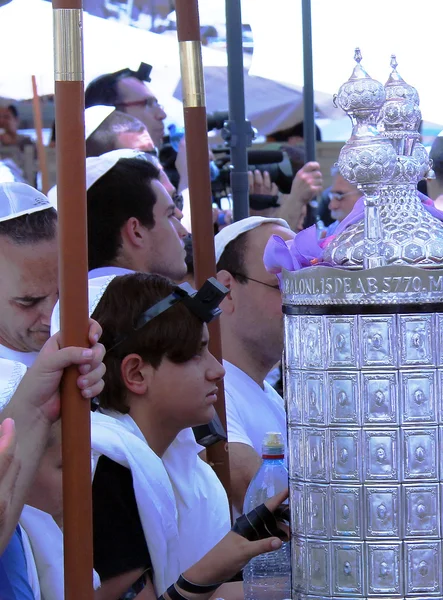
(263, 201)
(174, 594)
(259, 523)
(194, 588)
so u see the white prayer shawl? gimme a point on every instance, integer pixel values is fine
(43, 544)
(182, 506)
(11, 373)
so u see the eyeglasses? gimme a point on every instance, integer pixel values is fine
(273, 286)
(150, 102)
(339, 195)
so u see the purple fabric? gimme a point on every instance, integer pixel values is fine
(305, 250)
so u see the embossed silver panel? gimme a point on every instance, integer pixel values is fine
(298, 512)
(418, 391)
(292, 341)
(314, 399)
(317, 511)
(347, 571)
(312, 334)
(420, 453)
(294, 397)
(381, 455)
(347, 515)
(296, 453)
(319, 568)
(380, 398)
(344, 398)
(342, 342)
(382, 511)
(384, 569)
(379, 347)
(422, 510)
(317, 454)
(416, 347)
(423, 567)
(345, 450)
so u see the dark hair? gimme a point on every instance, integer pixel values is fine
(125, 191)
(189, 258)
(436, 154)
(103, 90)
(13, 110)
(233, 258)
(39, 226)
(175, 334)
(105, 137)
(296, 130)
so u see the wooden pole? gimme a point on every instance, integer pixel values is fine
(73, 270)
(38, 125)
(188, 31)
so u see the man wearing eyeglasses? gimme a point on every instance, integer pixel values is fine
(252, 342)
(342, 197)
(128, 92)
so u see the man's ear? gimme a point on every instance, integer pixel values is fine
(226, 279)
(133, 233)
(135, 374)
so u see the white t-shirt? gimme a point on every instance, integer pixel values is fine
(26, 358)
(251, 411)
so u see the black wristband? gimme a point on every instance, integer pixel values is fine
(195, 588)
(259, 523)
(174, 594)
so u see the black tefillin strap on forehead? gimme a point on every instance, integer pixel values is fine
(204, 304)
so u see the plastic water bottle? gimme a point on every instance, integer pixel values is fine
(268, 576)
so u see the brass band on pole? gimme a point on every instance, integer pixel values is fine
(68, 44)
(192, 74)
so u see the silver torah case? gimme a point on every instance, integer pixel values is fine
(364, 372)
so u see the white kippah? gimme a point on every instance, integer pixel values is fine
(17, 199)
(231, 232)
(97, 166)
(96, 288)
(94, 117)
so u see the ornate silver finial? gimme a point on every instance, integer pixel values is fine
(396, 228)
(357, 55)
(367, 160)
(396, 86)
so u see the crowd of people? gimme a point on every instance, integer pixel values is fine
(161, 519)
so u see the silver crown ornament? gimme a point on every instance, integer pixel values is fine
(363, 372)
(397, 229)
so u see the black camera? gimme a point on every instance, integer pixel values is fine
(275, 162)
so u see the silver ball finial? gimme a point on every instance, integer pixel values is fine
(357, 55)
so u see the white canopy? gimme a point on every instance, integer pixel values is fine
(408, 28)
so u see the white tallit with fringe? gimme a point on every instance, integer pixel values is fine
(182, 505)
(43, 545)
